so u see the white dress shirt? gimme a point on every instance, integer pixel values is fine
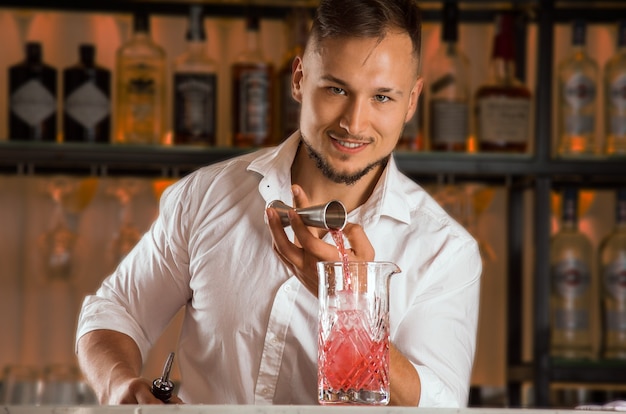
(249, 334)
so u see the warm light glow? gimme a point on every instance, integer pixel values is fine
(159, 185)
(76, 201)
(472, 144)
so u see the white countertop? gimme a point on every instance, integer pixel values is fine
(265, 409)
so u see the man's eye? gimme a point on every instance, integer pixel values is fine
(337, 91)
(381, 98)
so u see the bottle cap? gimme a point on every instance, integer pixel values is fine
(33, 51)
(579, 29)
(87, 53)
(141, 22)
(621, 33)
(450, 21)
(570, 203)
(195, 30)
(504, 40)
(252, 22)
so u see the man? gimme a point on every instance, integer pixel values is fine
(249, 286)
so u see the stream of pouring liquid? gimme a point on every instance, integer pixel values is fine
(338, 238)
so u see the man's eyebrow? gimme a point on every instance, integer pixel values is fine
(333, 79)
(340, 82)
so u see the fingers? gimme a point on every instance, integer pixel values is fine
(289, 252)
(312, 244)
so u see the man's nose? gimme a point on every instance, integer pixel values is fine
(355, 117)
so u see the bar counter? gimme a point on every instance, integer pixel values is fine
(268, 409)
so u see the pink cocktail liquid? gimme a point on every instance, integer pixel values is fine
(351, 359)
(353, 368)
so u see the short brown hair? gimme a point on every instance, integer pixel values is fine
(367, 18)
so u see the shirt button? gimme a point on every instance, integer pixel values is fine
(274, 340)
(288, 288)
(266, 391)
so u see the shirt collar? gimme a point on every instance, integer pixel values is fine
(387, 199)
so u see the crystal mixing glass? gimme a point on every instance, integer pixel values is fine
(353, 342)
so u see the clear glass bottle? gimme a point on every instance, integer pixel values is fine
(577, 93)
(33, 98)
(195, 88)
(571, 296)
(140, 101)
(252, 78)
(615, 97)
(503, 105)
(612, 255)
(87, 99)
(289, 108)
(449, 89)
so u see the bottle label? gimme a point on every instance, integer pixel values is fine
(617, 93)
(33, 103)
(571, 278)
(618, 125)
(615, 321)
(579, 124)
(571, 319)
(617, 103)
(449, 121)
(254, 97)
(194, 104)
(141, 119)
(579, 91)
(87, 105)
(504, 119)
(614, 276)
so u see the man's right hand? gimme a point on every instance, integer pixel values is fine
(111, 364)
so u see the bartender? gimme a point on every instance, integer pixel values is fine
(248, 285)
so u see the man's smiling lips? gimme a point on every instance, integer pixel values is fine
(348, 143)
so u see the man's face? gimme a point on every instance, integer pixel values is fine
(356, 96)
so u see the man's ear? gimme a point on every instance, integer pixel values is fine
(413, 98)
(296, 79)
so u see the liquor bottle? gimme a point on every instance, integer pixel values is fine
(288, 107)
(571, 296)
(502, 106)
(615, 96)
(449, 89)
(613, 272)
(252, 92)
(86, 99)
(140, 100)
(195, 87)
(577, 94)
(33, 98)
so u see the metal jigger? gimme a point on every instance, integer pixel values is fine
(330, 216)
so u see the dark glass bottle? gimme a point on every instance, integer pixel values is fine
(33, 98)
(86, 100)
(449, 89)
(502, 106)
(195, 88)
(252, 92)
